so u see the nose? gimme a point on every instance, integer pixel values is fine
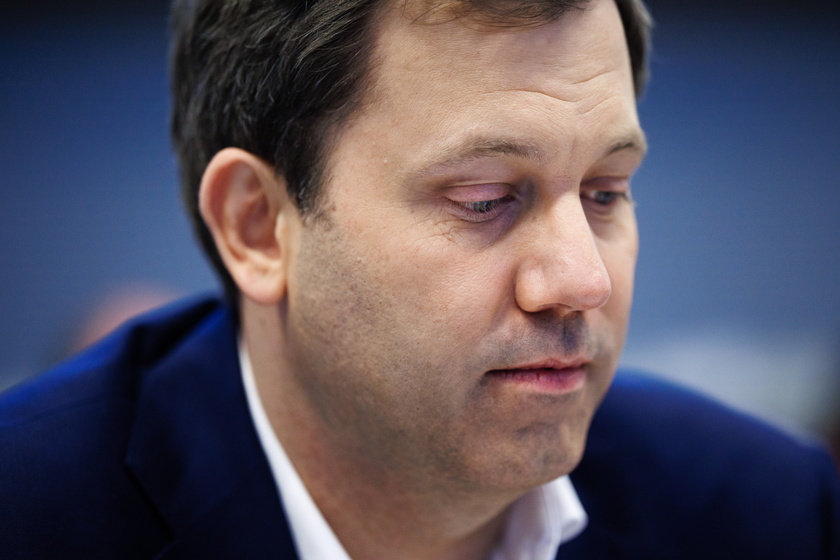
(562, 267)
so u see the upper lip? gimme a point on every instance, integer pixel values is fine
(550, 363)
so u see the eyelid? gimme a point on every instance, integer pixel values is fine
(607, 183)
(479, 192)
(496, 197)
(602, 195)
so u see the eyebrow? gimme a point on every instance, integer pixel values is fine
(479, 147)
(635, 141)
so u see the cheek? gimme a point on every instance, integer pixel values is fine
(445, 292)
(621, 268)
(388, 304)
(387, 333)
(619, 253)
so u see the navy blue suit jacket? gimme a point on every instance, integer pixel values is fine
(143, 448)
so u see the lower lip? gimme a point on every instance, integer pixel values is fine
(556, 381)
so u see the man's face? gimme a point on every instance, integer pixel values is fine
(458, 313)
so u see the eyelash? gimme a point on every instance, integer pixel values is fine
(483, 210)
(613, 197)
(486, 210)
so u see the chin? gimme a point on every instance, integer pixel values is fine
(560, 461)
(535, 465)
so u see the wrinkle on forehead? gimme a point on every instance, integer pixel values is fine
(568, 95)
(556, 86)
(594, 77)
(559, 54)
(500, 14)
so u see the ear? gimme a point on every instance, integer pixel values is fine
(246, 208)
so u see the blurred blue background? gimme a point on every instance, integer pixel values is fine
(738, 284)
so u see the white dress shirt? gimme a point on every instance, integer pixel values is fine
(539, 523)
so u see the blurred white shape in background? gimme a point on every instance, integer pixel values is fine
(789, 379)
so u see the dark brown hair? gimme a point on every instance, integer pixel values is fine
(276, 77)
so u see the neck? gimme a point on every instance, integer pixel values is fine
(405, 514)
(399, 520)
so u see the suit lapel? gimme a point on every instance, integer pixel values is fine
(194, 450)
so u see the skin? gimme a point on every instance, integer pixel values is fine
(477, 220)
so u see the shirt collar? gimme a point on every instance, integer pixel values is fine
(539, 522)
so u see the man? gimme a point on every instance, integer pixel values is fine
(421, 212)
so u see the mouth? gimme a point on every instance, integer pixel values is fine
(554, 377)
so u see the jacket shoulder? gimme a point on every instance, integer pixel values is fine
(670, 473)
(109, 369)
(64, 436)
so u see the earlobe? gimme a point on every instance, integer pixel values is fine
(244, 203)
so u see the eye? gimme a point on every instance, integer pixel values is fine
(483, 210)
(480, 202)
(604, 198)
(604, 194)
(482, 206)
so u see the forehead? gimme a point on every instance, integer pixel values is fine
(493, 13)
(452, 41)
(564, 86)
